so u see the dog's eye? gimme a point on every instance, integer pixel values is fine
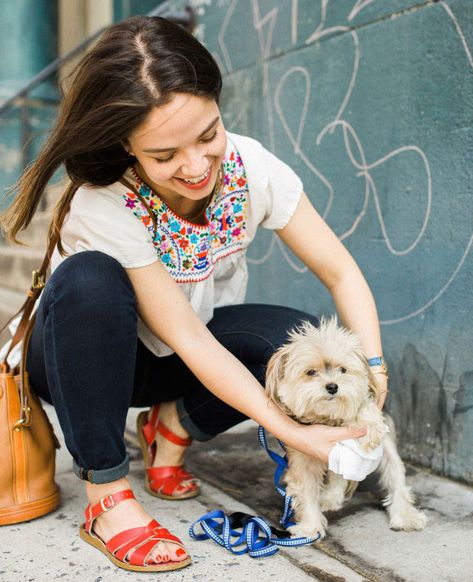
(312, 372)
(343, 370)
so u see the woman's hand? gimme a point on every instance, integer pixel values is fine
(318, 440)
(382, 382)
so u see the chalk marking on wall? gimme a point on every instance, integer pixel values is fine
(294, 22)
(448, 10)
(356, 65)
(317, 36)
(364, 170)
(268, 253)
(321, 31)
(438, 295)
(348, 132)
(346, 127)
(221, 35)
(258, 22)
(236, 119)
(219, 61)
(296, 142)
(359, 5)
(265, 52)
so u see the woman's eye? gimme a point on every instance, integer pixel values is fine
(164, 161)
(203, 140)
(343, 370)
(311, 372)
(209, 139)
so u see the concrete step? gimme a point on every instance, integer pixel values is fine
(17, 264)
(53, 192)
(37, 232)
(10, 302)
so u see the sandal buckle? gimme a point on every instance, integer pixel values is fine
(107, 503)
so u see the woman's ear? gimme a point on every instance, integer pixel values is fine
(126, 146)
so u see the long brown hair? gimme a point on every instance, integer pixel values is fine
(136, 65)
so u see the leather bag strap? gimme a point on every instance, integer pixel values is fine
(37, 285)
(39, 281)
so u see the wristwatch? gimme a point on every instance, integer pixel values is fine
(378, 362)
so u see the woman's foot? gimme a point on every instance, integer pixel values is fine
(164, 442)
(126, 515)
(167, 452)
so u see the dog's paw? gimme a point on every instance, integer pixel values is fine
(300, 530)
(374, 437)
(331, 502)
(408, 519)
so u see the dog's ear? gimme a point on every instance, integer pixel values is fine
(373, 387)
(275, 373)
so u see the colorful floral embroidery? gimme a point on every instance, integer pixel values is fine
(189, 251)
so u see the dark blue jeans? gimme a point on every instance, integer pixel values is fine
(86, 359)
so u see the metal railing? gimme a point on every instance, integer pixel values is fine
(22, 100)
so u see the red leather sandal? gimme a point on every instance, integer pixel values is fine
(130, 549)
(172, 482)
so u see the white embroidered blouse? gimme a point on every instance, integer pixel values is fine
(207, 260)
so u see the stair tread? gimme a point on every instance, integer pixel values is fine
(7, 250)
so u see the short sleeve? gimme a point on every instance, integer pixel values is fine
(99, 220)
(282, 191)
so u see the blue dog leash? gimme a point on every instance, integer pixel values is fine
(281, 462)
(256, 537)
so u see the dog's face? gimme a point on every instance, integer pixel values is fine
(320, 374)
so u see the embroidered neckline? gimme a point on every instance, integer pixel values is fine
(190, 251)
(214, 198)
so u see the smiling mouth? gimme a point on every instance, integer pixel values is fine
(198, 180)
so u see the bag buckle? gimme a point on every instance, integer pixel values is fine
(25, 417)
(37, 280)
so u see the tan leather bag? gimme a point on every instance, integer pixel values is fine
(28, 451)
(27, 440)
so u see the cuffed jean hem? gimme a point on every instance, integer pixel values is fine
(187, 423)
(102, 475)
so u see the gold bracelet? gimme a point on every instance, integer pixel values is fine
(382, 371)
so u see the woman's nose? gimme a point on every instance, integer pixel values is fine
(195, 165)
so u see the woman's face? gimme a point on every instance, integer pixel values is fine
(179, 148)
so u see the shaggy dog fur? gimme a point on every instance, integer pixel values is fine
(320, 376)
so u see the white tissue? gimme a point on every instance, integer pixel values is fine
(349, 459)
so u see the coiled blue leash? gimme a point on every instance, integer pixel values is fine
(257, 537)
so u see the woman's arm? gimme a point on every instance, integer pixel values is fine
(168, 314)
(311, 239)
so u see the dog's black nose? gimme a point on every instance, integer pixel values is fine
(331, 388)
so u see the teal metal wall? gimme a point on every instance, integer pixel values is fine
(371, 103)
(124, 8)
(28, 43)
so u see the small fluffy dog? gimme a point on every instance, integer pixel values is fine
(320, 376)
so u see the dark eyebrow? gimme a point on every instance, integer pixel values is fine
(158, 150)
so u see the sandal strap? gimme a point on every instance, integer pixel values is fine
(135, 545)
(151, 426)
(154, 425)
(105, 504)
(172, 436)
(177, 472)
(168, 480)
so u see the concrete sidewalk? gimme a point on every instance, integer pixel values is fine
(359, 546)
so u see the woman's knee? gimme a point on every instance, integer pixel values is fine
(255, 331)
(91, 278)
(284, 320)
